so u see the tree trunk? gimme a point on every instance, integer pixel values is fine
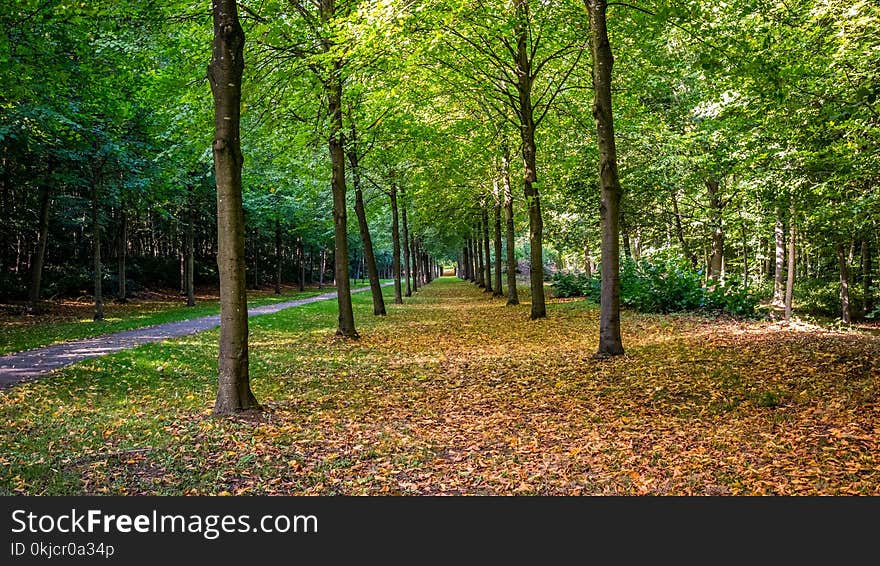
(845, 313)
(588, 262)
(224, 72)
(395, 240)
(96, 254)
(716, 208)
(366, 240)
(333, 85)
(867, 280)
(7, 207)
(427, 271)
(302, 264)
(529, 151)
(487, 250)
(322, 268)
(40, 251)
(610, 343)
(414, 256)
(624, 232)
(182, 271)
(789, 284)
(475, 262)
(778, 288)
(278, 254)
(191, 250)
(499, 292)
(121, 251)
(407, 266)
(509, 228)
(481, 268)
(745, 254)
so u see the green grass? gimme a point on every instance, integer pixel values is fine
(18, 334)
(101, 412)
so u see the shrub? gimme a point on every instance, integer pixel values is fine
(569, 284)
(665, 286)
(662, 286)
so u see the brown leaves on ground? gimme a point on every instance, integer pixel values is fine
(457, 394)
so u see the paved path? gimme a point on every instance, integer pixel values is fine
(34, 363)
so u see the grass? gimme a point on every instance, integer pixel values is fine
(454, 393)
(72, 320)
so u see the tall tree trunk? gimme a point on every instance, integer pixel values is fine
(789, 284)
(529, 153)
(224, 72)
(487, 250)
(716, 208)
(481, 267)
(278, 254)
(867, 279)
(588, 262)
(509, 228)
(395, 240)
(499, 292)
(96, 254)
(624, 232)
(302, 264)
(40, 251)
(745, 253)
(7, 206)
(346, 326)
(414, 268)
(181, 256)
(407, 266)
(475, 263)
(845, 313)
(610, 343)
(191, 250)
(322, 268)
(121, 251)
(428, 272)
(778, 288)
(366, 240)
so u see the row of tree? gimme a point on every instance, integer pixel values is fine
(743, 138)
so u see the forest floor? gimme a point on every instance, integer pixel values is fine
(71, 319)
(455, 393)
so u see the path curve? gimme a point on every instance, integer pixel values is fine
(38, 361)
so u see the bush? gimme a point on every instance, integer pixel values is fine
(662, 286)
(665, 286)
(570, 284)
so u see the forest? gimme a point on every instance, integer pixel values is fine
(574, 247)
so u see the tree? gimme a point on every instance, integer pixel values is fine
(610, 343)
(225, 73)
(363, 226)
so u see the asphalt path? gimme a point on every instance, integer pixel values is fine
(34, 363)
